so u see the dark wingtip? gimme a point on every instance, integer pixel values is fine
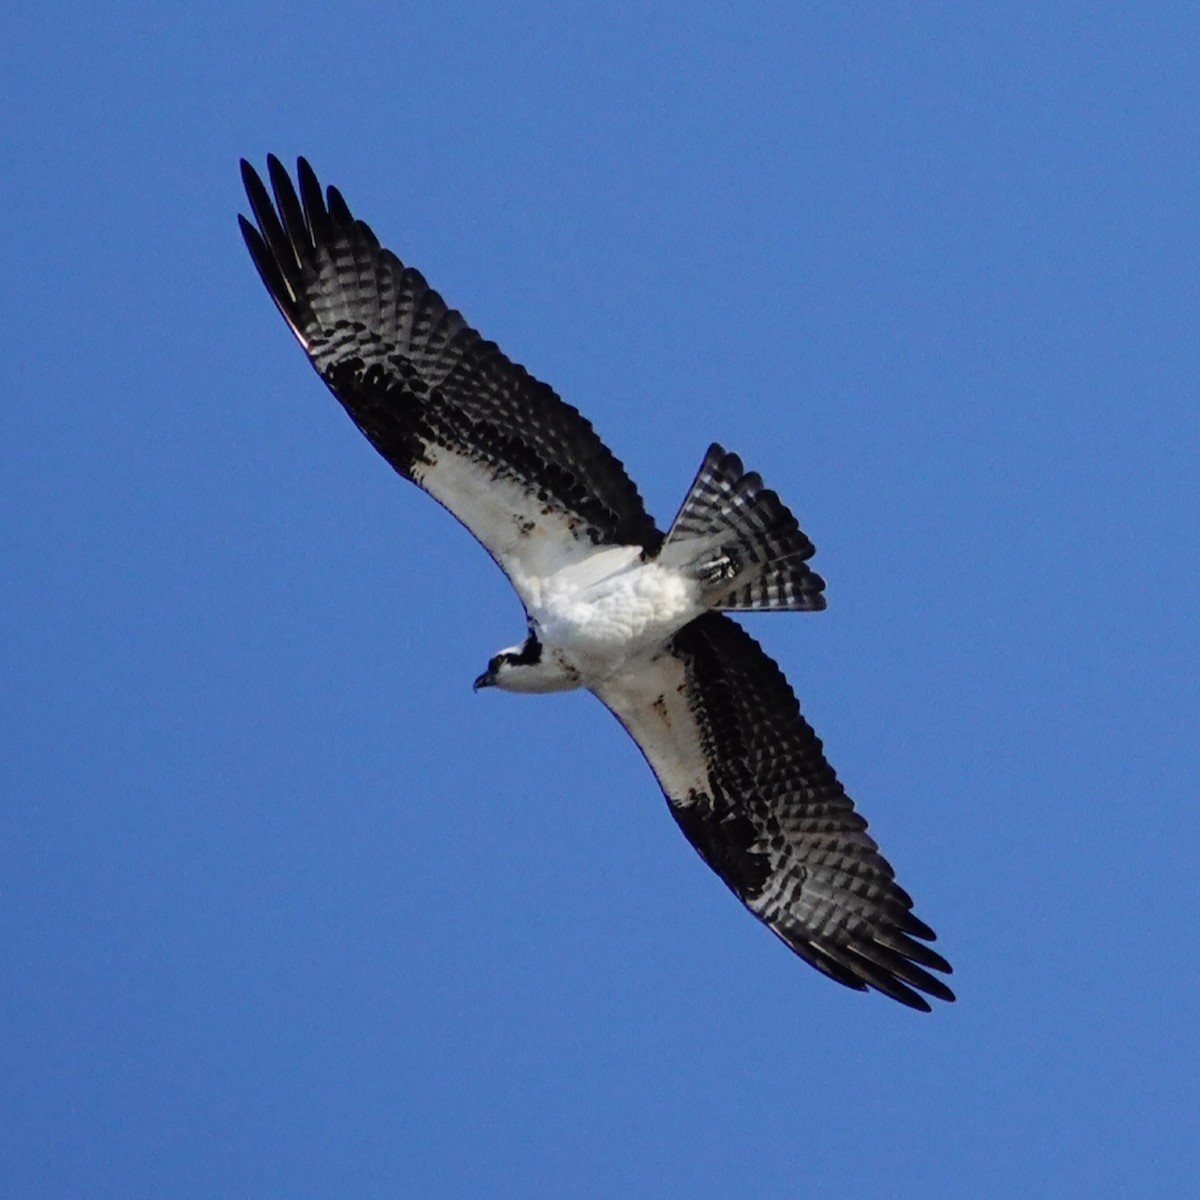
(913, 924)
(275, 244)
(250, 236)
(256, 192)
(937, 989)
(306, 177)
(339, 210)
(315, 214)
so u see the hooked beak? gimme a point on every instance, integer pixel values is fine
(487, 679)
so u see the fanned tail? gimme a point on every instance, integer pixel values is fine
(738, 539)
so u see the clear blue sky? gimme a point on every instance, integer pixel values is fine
(287, 911)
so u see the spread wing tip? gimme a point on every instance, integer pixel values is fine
(886, 960)
(286, 228)
(867, 966)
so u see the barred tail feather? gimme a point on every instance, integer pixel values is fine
(740, 541)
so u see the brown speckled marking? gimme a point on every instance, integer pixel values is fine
(568, 669)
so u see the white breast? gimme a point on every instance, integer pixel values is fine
(599, 614)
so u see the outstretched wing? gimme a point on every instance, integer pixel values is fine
(747, 781)
(524, 472)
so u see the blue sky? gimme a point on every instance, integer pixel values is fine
(287, 911)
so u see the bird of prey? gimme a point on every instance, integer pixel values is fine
(613, 604)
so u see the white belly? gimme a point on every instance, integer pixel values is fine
(594, 618)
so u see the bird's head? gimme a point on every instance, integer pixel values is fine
(524, 669)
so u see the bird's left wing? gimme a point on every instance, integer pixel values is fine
(747, 782)
(524, 471)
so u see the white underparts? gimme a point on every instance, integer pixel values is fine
(597, 617)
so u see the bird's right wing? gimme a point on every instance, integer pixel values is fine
(747, 781)
(524, 471)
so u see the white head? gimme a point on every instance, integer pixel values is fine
(526, 668)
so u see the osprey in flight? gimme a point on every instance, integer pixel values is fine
(613, 604)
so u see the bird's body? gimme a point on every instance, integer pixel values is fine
(596, 618)
(613, 604)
